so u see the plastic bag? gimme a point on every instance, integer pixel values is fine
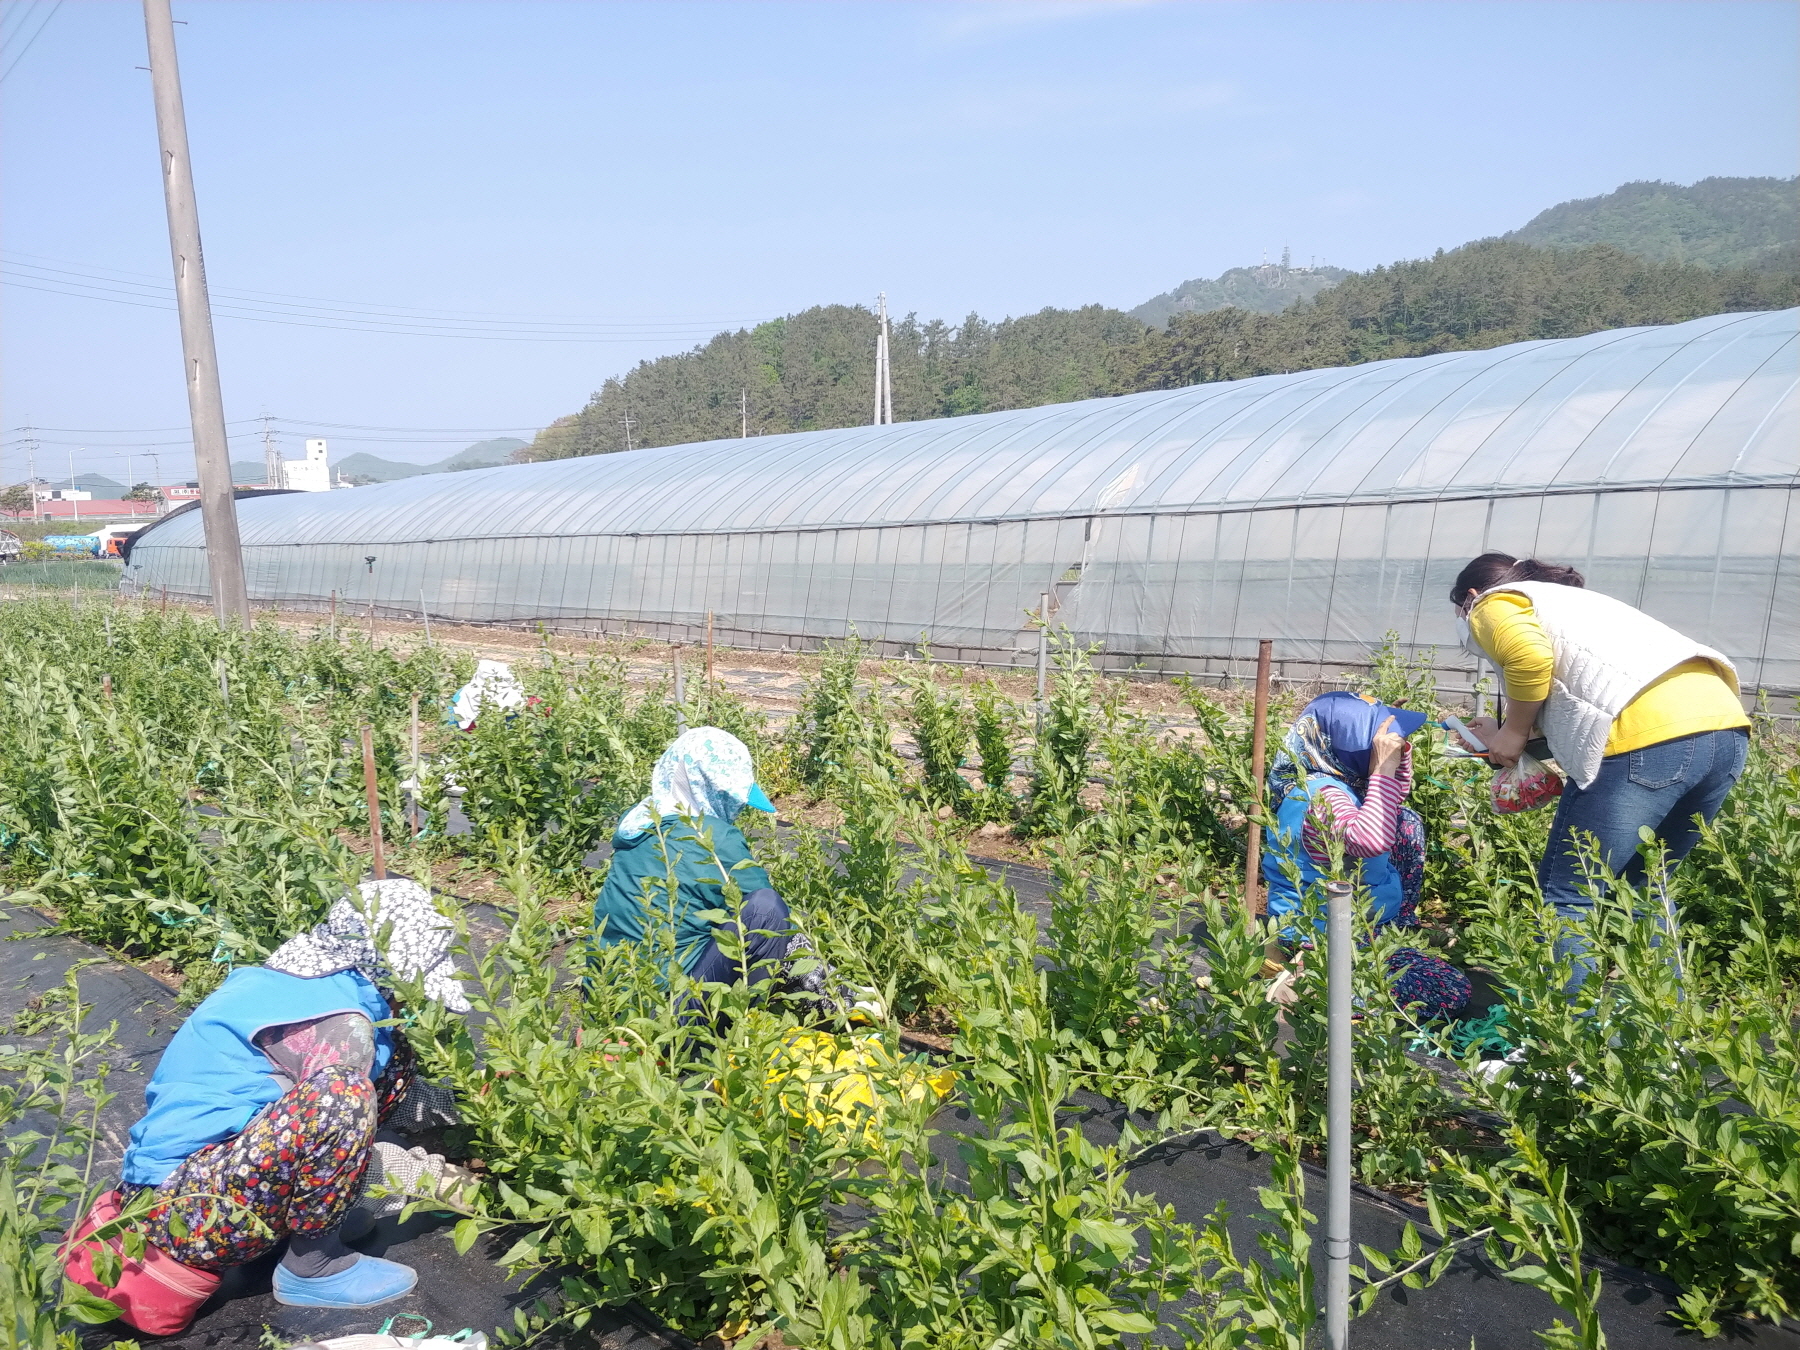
(1525, 786)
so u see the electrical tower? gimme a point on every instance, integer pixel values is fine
(273, 474)
(884, 376)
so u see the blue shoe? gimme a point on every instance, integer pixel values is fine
(371, 1281)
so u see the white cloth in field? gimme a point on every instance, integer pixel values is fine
(494, 686)
(1606, 653)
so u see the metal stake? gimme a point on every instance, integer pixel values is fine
(1259, 744)
(416, 812)
(1339, 898)
(200, 361)
(378, 856)
(1043, 673)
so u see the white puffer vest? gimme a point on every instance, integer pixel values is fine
(1606, 653)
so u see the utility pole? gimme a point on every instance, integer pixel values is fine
(200, 361)
(31, 470)
(628, 422)
(884, 381)
(73, 504)
(743, 414)
(273, 474)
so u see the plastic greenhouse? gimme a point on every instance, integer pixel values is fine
(1320, 508)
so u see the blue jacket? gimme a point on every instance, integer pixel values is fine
(1284, 850)
(639, 870)
(212, 1081)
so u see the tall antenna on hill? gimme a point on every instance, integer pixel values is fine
(884, 379)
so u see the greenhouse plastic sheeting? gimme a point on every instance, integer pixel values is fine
(1322, 508)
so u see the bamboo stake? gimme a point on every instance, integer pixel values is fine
(1259, 736)
(425, 614)
(709, 652)
(680, 696)
(379, 857)
(334, 616)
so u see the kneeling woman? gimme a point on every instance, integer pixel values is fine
(700, 784)
(261, 1116)
(1338, 786)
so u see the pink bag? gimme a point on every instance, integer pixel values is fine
(155, 1294)
(1525, 786)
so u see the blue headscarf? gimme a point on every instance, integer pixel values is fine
(704, 772)
(1333, 735)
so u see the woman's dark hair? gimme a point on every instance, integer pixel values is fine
(1497, 569)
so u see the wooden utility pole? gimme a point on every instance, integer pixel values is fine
(200, 361)
(1259, 744)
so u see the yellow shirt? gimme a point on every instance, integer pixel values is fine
(1695, 696)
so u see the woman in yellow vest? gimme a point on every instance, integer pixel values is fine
(1645, 723)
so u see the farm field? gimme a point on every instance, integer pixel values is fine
(187, 799)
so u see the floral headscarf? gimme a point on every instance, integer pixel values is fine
(1332, 736)
(704, 772)
(416, 941)
(494, 686)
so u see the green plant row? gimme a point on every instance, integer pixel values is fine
(171, 791)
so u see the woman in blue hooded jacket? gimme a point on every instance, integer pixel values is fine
(1339, 786)
(259, 1122)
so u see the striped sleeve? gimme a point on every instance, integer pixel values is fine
(1366, 831)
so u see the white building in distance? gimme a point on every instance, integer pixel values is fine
(312, 474)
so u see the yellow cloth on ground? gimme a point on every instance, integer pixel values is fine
(841, 1073)
(1693, 697)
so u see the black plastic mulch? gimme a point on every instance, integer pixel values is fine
(1473, 1305)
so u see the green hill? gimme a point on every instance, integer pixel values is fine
(815, 369)
(1268, 289)
(1648, 253)
(1718, 222)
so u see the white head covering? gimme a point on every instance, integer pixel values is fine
(415, 941)
(704, 772)
(494, 686)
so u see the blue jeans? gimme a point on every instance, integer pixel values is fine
(1664, 786)
(766, 928)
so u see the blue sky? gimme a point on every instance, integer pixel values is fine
(655, 172)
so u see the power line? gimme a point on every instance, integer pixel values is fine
(13, 64)
(349, 316)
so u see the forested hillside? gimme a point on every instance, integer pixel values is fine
(815, 369)
(1718, 222)
(1268, 289)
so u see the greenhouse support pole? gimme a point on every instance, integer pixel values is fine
(1259, 747)
(1339, 899)
(1043, 672)
(200, 359)
(377, 857)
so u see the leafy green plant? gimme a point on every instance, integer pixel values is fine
(941, 727)
(1065, 737)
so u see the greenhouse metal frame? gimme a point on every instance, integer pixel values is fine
(1323, 508)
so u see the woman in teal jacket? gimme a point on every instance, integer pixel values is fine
(686, 828)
